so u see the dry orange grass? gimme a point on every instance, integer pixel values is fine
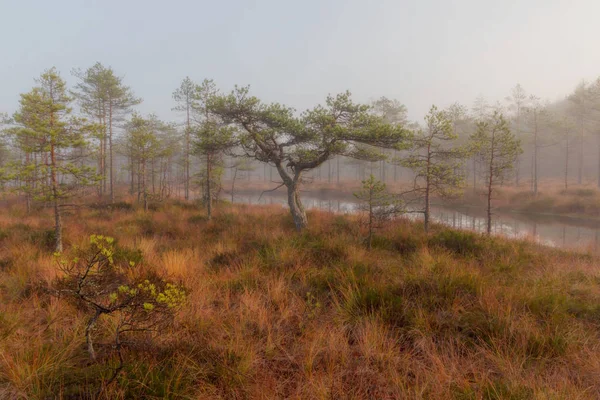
(271, 313)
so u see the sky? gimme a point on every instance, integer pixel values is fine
(421, 52)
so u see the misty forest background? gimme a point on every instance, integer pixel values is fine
(560, 142)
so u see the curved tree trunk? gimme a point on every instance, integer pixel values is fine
(292, 184)
(296, 207)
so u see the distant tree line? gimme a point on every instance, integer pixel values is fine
(64, 144)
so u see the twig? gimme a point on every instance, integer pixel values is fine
(270, 190)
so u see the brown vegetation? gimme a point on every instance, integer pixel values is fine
(271, 313)
(581, 201)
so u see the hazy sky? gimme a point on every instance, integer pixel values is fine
(418, 51)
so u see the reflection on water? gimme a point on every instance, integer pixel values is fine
(547, 230)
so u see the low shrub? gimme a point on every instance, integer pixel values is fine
(463, 243)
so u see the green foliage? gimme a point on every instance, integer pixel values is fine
(392, 111)
(406, 243)
(435, 162)
(273, 134)
(497, 148)
(45, 127)
(321, 249)
(120, 205)
(359, 301)
(440, 291)
(101, 92)
(313, 305)
(377, 204)
(136, 303)
(127, 257)
(147, 140)
(463, 243)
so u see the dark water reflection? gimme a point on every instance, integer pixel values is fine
(552, 231)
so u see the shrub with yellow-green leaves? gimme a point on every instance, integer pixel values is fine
(138, 301)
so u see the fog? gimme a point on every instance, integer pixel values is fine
(420, 52)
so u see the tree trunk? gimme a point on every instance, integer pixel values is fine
(153, 179)
(296, 207)
(567, 163)
(581, 145)
(104, 169)
(58, 247)
(474, 173)
(489, 207)
(88, 334)
(208, 192)
(235, 171)
(535, 172)
(110, 153)
(427, 209)
(427, 188)
(132, 183)
(518, 163)
(599, 161)
(490, 189)
(535, 156)
(395, 166)
(187, 153)
(139, 181)
(28, 182)
(144, 189)
(370, 237)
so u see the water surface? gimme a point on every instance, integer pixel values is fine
(555, 231)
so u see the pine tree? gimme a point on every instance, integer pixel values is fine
(212, 140)
(435, 162)
(143, 147)
(580, 108)
(186, 96)
(517, 103)
(45, 127)
(378, 204)
(294, 145)
(103, 97)
(498, 149)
